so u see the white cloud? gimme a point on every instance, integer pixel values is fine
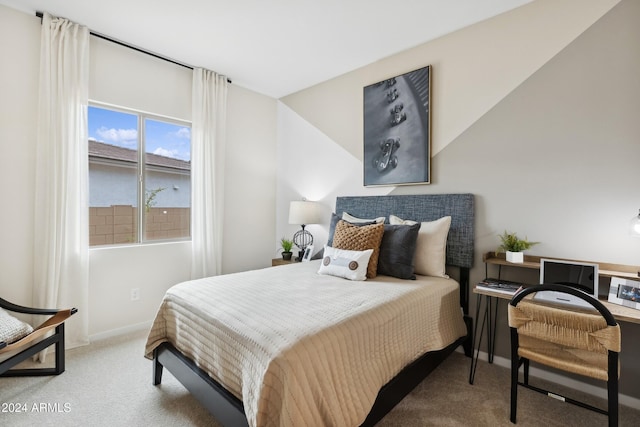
(166, 153)
(183, 133)
(125, 137)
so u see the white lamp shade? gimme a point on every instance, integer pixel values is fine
(634, 226)
(305, 212)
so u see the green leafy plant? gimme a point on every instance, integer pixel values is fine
(286, 244)
(150, 197)
(512, 243)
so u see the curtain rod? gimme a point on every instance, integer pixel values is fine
(146, 52)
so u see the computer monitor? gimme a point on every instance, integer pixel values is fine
(578, 275)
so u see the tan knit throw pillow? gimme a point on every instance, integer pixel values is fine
(360, 238)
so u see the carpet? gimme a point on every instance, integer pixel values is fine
(108, 383)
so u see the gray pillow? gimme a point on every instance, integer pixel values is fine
(351, 220)
(397, 251)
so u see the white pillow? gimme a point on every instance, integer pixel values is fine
(431, 247)
(11, 328)
(355, 220)
(344, 263)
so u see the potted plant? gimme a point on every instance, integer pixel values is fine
(286, 245)
(513, 246)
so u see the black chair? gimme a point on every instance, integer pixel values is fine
(583, 342)
(36, 341)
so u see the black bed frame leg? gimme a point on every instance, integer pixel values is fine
(157, 368)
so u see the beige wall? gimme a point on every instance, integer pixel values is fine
(473, 69)
(18, 106)
(535, 112)
(250, 176)
(531, 85)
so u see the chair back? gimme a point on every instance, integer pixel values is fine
(571, 339)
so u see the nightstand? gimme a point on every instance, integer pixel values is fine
(280, 261)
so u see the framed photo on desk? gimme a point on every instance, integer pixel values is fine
(625, 292)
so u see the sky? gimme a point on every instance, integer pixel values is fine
(121, 129)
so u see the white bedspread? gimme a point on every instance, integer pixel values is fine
(301, 349)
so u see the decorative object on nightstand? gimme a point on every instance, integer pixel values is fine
(513, 246)
(286, 245)
(303, 213)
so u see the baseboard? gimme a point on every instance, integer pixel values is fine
(121, 331)
(561, 380)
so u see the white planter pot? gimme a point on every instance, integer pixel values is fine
(515, 257)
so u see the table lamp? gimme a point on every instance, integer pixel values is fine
(304, 212)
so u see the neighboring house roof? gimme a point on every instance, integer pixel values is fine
(100, 150)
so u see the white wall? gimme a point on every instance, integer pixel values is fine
(548, 147)
(313, 167)
(18, 107)
(473, 69)
(250, 175)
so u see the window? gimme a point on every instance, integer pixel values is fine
(139, 177)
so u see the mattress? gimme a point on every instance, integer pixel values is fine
(300, 348)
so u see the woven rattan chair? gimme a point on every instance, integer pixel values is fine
(583, 342)
(48, 333)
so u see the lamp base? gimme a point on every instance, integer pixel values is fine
(302, 239)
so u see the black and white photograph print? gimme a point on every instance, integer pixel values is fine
(397, 130)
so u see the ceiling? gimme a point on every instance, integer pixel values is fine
(274, 47)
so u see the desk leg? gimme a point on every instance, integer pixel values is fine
(492, 326)
(489, 318)
(474, 354)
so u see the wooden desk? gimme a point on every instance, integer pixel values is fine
(621, 313)
(493, 298)
(533, 262)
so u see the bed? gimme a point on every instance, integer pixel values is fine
(318, 349)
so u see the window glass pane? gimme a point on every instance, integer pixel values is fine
(113, 177)
(167, 180)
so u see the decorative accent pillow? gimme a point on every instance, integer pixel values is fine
(355, 220)
(431, 247)
(360, 238)
(349, 218)
(351, 265)
(11, 328)
(397, 251)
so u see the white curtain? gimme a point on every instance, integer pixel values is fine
(208, 140)
(61, 252)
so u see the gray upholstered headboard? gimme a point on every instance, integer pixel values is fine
(423, 207)
(427, 207)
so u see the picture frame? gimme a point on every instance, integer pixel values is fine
(397, 130)
(624, 292)
(308, 253)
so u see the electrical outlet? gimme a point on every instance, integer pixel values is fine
(135, 294)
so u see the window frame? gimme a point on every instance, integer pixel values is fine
(141, 116)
